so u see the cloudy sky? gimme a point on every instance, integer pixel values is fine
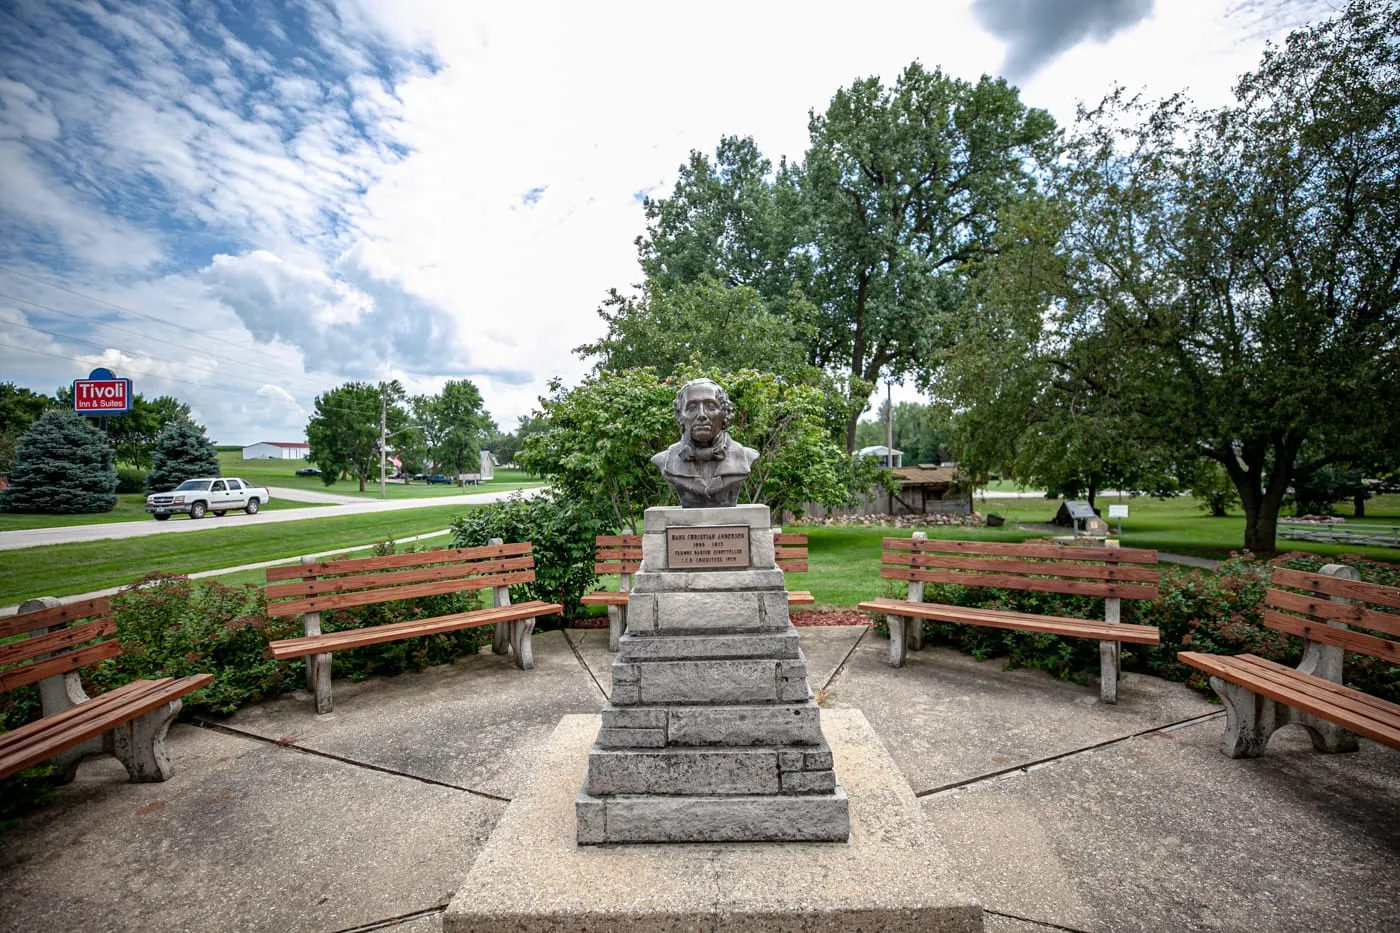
(244, 203)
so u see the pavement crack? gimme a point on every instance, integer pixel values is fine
(392, 921)
(584, 664)
(280, 743)
(842, 666)
(1040, 923)
(1025, 767)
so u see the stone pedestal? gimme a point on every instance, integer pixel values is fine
(711, 733)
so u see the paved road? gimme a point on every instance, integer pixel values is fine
(34, 537)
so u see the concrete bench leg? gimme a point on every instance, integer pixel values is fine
(520, 643)
(140, 744)
(500, 638)
(617, 624)
(1110, 666)
(318, 680)
(899, 642)
(1251, 720)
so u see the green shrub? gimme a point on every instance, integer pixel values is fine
(130, 480)
(562, 531)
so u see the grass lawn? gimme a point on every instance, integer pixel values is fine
(131, 507)
(66, 569)
(283, 473)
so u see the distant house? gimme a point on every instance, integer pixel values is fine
(887, 456)
(276, 450)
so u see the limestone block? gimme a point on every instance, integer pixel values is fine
(776, 645)
(628, 695)
(709, 581)
(745, 725)
(641, 614)
(624, 674)
(816, 761)
(592, 820)
(774, 607)
(632, 738)
(808, 782)
(684, 771)
(814, 818)
(720, 681)
(790, 760)
(659, 518)
(633, 718)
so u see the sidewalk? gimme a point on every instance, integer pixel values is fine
(1059, 812)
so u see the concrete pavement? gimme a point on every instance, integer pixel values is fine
(1059, 813)
(35, 537)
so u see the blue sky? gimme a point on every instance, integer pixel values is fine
(246, 204)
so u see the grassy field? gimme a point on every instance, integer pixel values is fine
(66, 569)
(283, 473)
(130, 508)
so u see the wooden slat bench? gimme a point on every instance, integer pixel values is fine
(319, 586)
(1046, 568)
(622, 555)
(1333, 615)
(129, 722)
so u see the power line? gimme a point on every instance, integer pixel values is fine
(101, 301)
(242, 363)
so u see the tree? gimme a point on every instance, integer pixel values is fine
(906, 187)
(343, 432)
(1227, 280)
(181, 452)
(19, 409)
(701, 323)
(62, 466)
(454, 425)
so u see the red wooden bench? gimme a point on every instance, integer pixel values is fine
(318, 586)
(621, 555)
(1046, 568)
(1335, 613)
(129, 722)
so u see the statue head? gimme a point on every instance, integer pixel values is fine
(703, 411)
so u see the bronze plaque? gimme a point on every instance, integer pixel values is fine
(707, 547)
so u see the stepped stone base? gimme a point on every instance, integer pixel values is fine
(893, 875)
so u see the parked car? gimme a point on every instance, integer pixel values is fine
(218, 494)
(439, 478)
(308, 471)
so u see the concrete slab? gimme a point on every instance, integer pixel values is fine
(474, 723)
(892, 875)
(592, 647)
(246, 836)
(947, 717)
(826, 648)
(1165, 833)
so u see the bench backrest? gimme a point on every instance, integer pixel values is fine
(791, 551)
(1046, 568)
(1309, 614)
(61, 639)
(340, 584)
(619, 554)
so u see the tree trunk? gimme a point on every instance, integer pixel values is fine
(1358, 505)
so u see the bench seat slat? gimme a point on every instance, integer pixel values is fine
(1345, 639)
(74, 717)
(412, 591)
(368, 581)
(605, 598)
(378, 634)
(1350, 709)
(393, 561)
(54, 615)
(1014, 582)
(1117, 555)
(618, 553)
(26, 648)
(1338, 586)
(19, 750)
(617, 541)
(792, 566)
(1039, 568)
(782, 538)
(801, 598)
(616, 568)
(791, 552)
(997, 618)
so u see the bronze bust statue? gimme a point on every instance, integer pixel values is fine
(706, 466)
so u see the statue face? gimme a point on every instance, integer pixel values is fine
(702, 415)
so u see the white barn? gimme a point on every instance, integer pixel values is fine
(276, 450)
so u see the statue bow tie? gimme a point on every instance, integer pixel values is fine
(701, 454)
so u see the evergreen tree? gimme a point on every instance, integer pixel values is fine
(62, 465)
(181, 452)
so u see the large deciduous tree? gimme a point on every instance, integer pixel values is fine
(454, 424)
(1225, 283)
(62, 465)
(343, 432)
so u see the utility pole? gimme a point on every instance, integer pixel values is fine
(383, 438)
(889, 424)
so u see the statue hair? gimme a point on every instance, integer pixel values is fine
(726, 406)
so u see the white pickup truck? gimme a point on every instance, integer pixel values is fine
(195, 497)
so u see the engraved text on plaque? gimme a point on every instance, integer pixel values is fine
(702, 546)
